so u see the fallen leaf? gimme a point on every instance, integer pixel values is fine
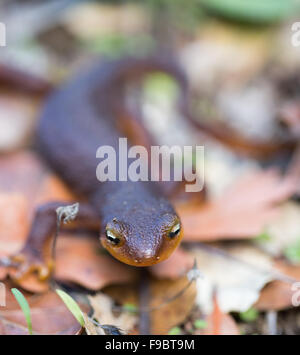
(220, 51)
(25, 173)
(102, 306)
(237, 273)
(14, 222)
(172, 313)
(227, 326)
(49, 316)
(242, 211)
(178, 264)
(290, 115)
(22, 173)
(53, 188)
(164, 315)
(80, 260)
(91, 20)
(283, 231)
(278, 295)
(17, 118)
(218, 323)
(24, 183)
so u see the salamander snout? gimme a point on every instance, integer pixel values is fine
(139, 244)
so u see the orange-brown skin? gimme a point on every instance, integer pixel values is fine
(77, 120)
(121, 253)
(139, 226)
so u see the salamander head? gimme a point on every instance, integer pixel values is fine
(143, 235)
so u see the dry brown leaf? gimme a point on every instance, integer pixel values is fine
(176, 266)
(49, 316)
(242, 211)
(88, 21)
(168, 314)
(290, 115)
(220, 51)
(80, 260)
(173, 313)
(53, 189)
(219, 323)
(22, 173)
(17, 118)
(102, 306)
(24, 183)
(13, 221)
(228, 326)
(278, 295)
(238, 272)
(14, 225)
(25, 173)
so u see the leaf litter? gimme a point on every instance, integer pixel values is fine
(243, 271)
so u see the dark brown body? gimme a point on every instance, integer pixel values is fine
(78, 119)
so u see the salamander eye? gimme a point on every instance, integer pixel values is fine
(112, 237)
(174, 232)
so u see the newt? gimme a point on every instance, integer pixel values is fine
(137, 223)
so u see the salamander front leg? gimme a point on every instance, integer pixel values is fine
(31, 257)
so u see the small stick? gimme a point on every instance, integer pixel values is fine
(192, 276)
(65, 214)
(144, 299)
(272, 322)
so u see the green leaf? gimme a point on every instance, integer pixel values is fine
(175, 331)
(114, 45)
(250, 315)
(24, 306)
(252, 11)
(72, 306)
(200, 324)
(161, 83)
(129, 307)
(292, 253)
(263, 237)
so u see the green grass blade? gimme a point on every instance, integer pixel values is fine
(72, 306)
(24, 306)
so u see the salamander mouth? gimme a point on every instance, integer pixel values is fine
(130, 258)
(141, 259)
(138, 262)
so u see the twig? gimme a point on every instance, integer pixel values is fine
(65, 214)
(144, 299)
(272, 322)
(107, 328)
(192, 275)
